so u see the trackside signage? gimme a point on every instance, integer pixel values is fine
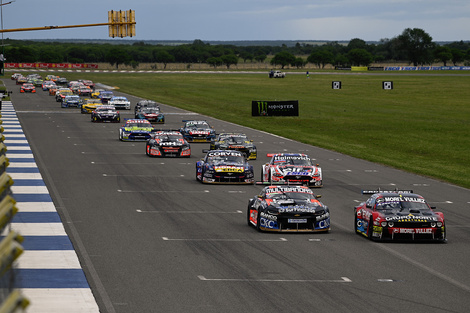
(275, 108)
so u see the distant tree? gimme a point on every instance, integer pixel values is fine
(229, 59)
(321, 57)
(341, 60)
(458, 56)
(244, 55)
(260, 57)
(359, 57)
(283, 58)
(215, 61)
(418, 46)
(117, 56)
(357, 43)
(443, 54)
(163, 56)
(299, 62)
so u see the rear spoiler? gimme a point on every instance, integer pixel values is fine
(371, 192)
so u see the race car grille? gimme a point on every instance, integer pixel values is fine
(171, 152)
(230, 177)
(298, 222)
(139, 136)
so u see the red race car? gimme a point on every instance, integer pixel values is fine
(27, 87)
(398, 215)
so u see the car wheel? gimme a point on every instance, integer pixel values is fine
(355, 222)
(248, 216)
(370, 228)
(258, 221)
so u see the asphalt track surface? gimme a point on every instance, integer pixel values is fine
(150, 238)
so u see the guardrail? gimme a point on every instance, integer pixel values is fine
(11, 300)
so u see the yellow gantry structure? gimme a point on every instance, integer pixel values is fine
(121, 24)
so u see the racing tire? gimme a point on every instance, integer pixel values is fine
(258, 222)
(355, 223)
(370, 228)
(248, 216)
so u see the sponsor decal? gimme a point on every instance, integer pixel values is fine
(227, 169)
(224, 153)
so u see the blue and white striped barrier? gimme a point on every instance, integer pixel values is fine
(49, 272)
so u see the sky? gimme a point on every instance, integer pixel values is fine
(214, 20)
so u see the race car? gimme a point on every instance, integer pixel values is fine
(88, 83)
(62, 81)
(47, 84)
(27, 87)
(226, 167)
(235, 141)
(153, 115)
(71, 101)
(96, 93)
(89, 105)
(61, 93)
(291, 168)
(136, 130)
(398, 215)
(288, 208)
(120, 103)
(168, 143)
(21, 80)
(105, 96)
(105, 113)
(84, 91)
(145, 104)
(197, 131)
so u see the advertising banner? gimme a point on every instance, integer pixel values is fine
(275, 108)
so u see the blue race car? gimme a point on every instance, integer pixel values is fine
(71, 101)
(197, 131)
(224, 167)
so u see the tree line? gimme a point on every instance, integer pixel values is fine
(413, 46)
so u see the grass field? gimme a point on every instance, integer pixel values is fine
(421, 126)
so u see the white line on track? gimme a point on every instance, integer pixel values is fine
(342, 280)
(189, 212)
(227, 240)
(164, 191)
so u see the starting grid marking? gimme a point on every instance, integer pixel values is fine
(48, 272)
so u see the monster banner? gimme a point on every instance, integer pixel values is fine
(275, 108)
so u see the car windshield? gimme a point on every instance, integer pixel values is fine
(150, 110)
(280, 194)
(292, 160)
(105, 110)
(137, 124)
(400, 202)
(169, 138)
(196, 124)
(226, 159)
(234, 139)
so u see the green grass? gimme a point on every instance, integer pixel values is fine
(421, 126)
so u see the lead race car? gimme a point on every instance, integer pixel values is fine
(224, 167)
(398, 215)
(291, 168)
(288, 208)
(197, 131)
(168, 143)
